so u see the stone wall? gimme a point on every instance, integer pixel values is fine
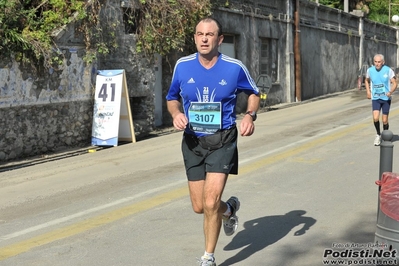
(140, 79)
(47, 110)
(51, 110)
(248, 30)
(335, 44)
(42, 129)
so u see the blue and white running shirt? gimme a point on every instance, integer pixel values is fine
(209, 95)
(380, 82)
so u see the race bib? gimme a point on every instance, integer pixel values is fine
(379, 90)
(205, 117)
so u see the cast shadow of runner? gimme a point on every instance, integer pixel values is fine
(262, 232)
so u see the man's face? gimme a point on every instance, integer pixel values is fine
(378, 62)
(206, 38)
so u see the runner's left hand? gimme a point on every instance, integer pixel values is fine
(247, 126)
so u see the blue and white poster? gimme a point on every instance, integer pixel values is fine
(112, 119)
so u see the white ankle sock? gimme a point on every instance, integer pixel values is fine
(209, 255)
(227, 213)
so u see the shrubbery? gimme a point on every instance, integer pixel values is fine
(27, 26)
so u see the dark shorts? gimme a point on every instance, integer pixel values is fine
(377, 105)
(198, 160)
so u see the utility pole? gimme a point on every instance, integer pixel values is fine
(389, 12)
(297, 55)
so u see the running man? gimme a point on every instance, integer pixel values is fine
(380, 84)
(202, 100)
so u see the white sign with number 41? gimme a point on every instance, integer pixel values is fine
(112, 118)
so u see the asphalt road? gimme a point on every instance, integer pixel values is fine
(306, 184)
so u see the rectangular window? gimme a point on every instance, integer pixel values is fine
(268, 59)
(228, 46)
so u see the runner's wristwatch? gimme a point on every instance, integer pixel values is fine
(252, 114)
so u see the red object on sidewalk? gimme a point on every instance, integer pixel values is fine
(389, 194)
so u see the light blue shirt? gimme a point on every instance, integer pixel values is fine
(380, 82)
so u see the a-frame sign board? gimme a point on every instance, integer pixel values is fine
(112, 118)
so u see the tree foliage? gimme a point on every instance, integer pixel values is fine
(379, 10)
(376, 10)
(166, 24)
(332, 3)
(27, 27)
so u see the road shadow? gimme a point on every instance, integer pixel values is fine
(395, 138)
(262, 232)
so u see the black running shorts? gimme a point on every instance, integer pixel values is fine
(198, 160)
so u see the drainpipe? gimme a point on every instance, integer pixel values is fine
(397, 49)
(297, 55)
(289, 53)
(158, 90)
(361, 44)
